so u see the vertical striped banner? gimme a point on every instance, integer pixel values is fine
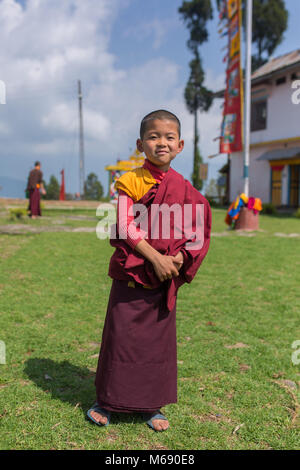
(231, 132)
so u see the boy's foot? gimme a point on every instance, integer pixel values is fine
(99, 415)
(157, 421)
(101, 419)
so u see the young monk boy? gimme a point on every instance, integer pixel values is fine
(137, 367)
(34, 185)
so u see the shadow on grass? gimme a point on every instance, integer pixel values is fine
(17, 234)
(69, 383)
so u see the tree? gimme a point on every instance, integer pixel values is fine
(197, 97)
(269, 22)
(93, 189)
(43, 196)
(211, 190)
(52, 189)
(196, 14)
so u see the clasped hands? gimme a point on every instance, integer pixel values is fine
(166, 267)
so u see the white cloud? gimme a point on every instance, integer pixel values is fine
(61, 119)
(46, 48)
(10, 16)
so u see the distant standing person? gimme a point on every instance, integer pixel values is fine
(35, 183)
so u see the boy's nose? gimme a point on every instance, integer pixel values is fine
(162, 142)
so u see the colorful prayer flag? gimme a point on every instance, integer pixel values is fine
(62, 186)
(231, 132)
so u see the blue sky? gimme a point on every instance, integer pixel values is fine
(131, 57)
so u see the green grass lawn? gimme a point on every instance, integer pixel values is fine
(58, 217)
(237, 385)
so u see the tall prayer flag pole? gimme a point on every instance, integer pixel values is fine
(247, 121)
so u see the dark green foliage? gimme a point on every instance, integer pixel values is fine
(17, 213)
(93, 189)
(269, 22)
(212, 201)
(270, 19)
(196, 181)
(195, 14)
(269, 208)
(196, 95)
(52, 189)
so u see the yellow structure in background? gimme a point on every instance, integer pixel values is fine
(135, 160)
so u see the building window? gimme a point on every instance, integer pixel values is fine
(295, 76)
(258, 115)
(280, 80)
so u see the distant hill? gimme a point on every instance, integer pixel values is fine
(11, 187)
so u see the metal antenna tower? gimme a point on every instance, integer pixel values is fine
(81, 146)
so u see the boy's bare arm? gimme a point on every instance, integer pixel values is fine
(164, 266)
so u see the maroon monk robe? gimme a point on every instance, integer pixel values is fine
(34, 180)
(137, 367)
(34, 202)
(127, 264)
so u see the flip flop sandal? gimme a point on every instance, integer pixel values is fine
(155, 416)
(103, 412)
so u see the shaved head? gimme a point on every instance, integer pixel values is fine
(159, 114)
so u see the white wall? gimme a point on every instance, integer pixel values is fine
(283, 122)
(259, 176)
(236, 175)
(283, 116)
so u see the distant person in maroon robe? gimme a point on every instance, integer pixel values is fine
(34, 186)
(137, 366)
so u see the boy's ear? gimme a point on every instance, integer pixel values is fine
(181, 145)
(139, 145)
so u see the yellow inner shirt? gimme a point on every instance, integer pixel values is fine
(136, 183)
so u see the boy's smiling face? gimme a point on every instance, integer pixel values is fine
(161, 142)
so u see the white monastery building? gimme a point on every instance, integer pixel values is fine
(274, 169)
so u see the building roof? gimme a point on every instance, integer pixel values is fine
(273, 67)
(277, 64)
(281, 154)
